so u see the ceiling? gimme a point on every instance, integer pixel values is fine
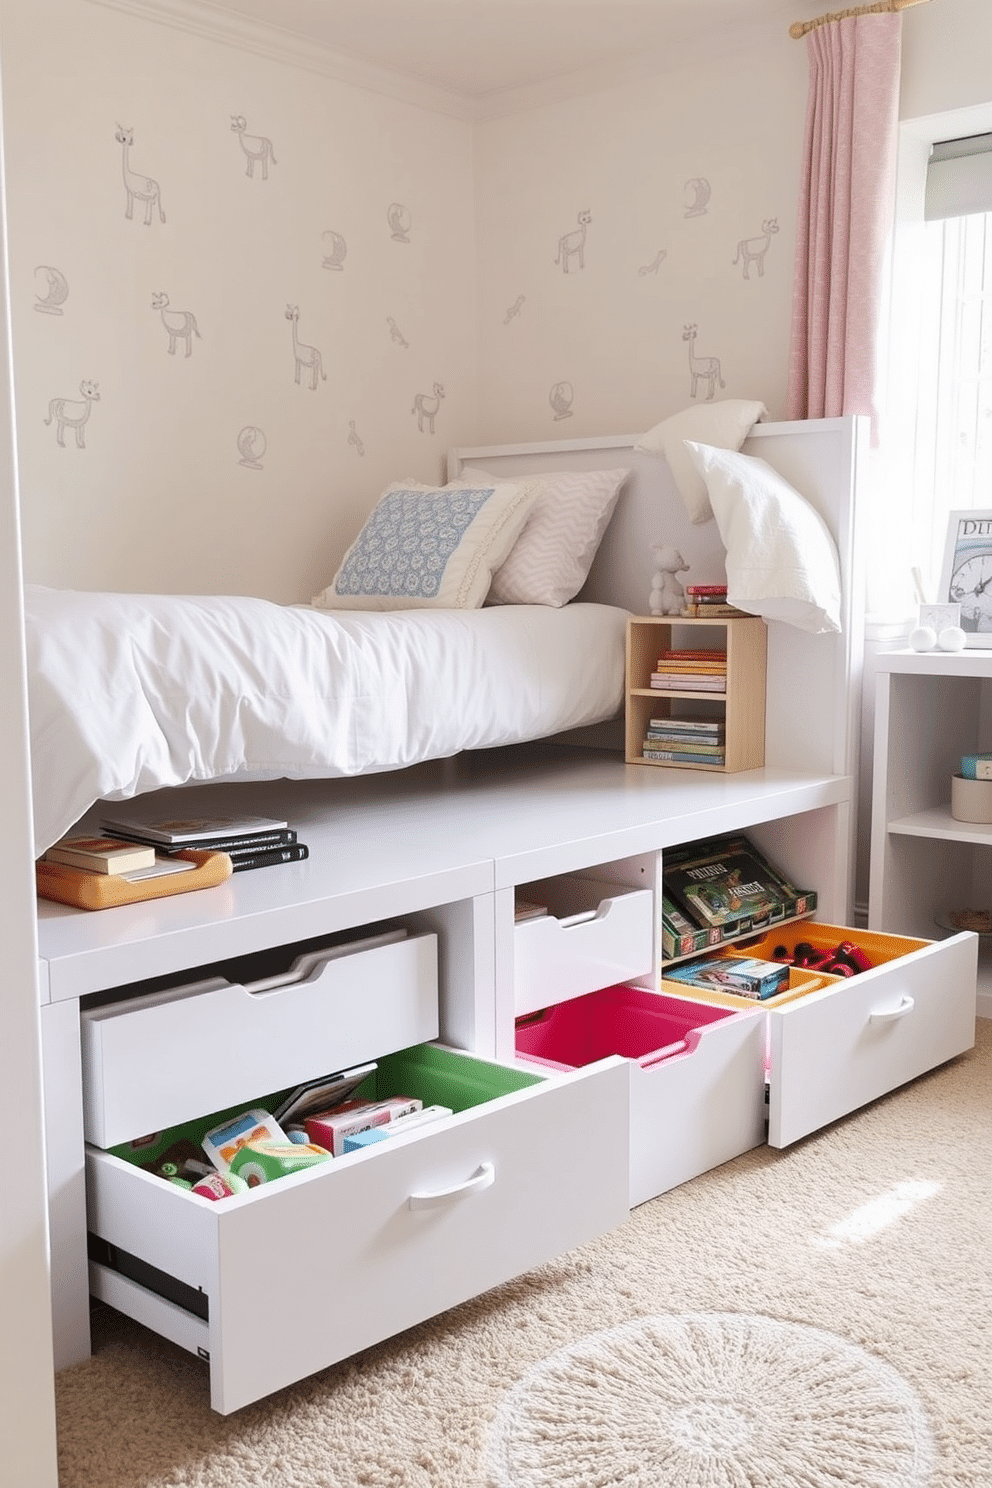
(481, 47)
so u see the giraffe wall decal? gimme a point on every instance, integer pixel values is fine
(572, 245)
(753, 250)
(425, 406)
(138, 188)
(255, 146)
(71, 413)
(306, 356)
(180, 324)
(702, 369)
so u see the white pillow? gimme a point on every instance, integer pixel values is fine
(551, 559)
(429, 547)
(724, 424)
(781, 558)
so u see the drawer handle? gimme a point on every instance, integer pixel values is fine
(660, 1055)
(889, 1015)
(479, 1180)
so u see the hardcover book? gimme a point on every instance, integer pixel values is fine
(728, 884)
(192, 830)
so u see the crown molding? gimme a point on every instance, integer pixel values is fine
(214, 23)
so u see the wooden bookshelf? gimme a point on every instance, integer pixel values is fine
(741, 706)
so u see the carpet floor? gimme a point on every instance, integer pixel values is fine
(848, 1278)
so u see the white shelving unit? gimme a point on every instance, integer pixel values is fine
(930, 709)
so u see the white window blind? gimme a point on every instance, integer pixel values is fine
(959, 178)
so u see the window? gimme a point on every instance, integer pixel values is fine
(952, 432)
(937, 432)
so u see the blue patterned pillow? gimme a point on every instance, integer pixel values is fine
(427, 546)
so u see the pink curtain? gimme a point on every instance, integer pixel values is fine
(845, 214)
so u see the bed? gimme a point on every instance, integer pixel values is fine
(132, 693)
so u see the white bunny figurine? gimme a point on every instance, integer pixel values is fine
(667, 594)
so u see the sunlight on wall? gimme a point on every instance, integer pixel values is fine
(866, 1222)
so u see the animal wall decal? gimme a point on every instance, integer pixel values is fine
(180, 324)
(655, 264)
(425, 406)
(753, 250)
(395, 334)
(696, 204)
(57, 291)
(560, 398)
(305, 356)
(337, 251)
(572, 245)
(71, 413)
(252, 445)
(137, 187)
(354, 438)
(400, 222)
(514, 309)
(257, 149)
(702, 369)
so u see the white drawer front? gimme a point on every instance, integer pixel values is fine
(695, 1110)
(154, 1064)
(496, 1190)
(595, 935)
(841, 1047)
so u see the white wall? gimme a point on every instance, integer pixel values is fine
(169, 493)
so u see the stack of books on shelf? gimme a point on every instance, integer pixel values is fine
(708, 601)
(688, 741)
(249, 841)
(691, 671)
(720, 890)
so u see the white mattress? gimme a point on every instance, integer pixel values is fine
(129, 693)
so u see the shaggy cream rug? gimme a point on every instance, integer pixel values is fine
(821, 1316)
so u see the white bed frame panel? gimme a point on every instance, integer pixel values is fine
(814, 727)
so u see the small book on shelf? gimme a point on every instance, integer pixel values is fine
(101, 854)
(197, 831)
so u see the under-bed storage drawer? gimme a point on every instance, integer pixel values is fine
(284, 1280)
(594, 934)
(152, 1062)
(846, 1041)
(696, 1075)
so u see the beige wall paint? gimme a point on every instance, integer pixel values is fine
(684, 165)
(159, 498)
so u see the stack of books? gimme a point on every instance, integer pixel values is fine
(700, 741)
(720, 890)
(691, 671)
(114, 856)
(249, 841)
(704, 601)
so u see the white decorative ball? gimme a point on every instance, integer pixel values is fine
(923, 638)
(951, 638)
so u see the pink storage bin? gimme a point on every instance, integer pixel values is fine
(647, 1026)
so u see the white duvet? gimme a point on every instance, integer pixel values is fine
(129, 693)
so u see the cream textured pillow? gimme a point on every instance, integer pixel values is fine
(551, 559)
(782, 561)
(724, 424)
(429, 547)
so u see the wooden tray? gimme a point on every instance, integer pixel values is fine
(85, 890)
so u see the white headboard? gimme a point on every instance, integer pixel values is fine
(814, 682)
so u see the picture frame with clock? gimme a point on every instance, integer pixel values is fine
(966, 573)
